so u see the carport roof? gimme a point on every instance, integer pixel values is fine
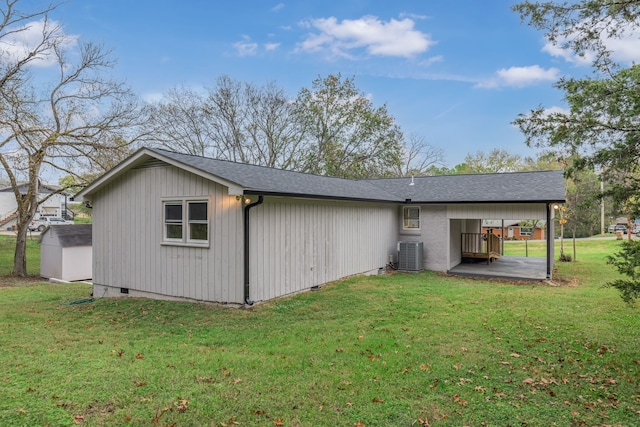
(514, 187)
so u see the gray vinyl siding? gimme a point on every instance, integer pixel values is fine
(297, 244)
(128, 249)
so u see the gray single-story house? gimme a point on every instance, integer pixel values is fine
(177, 226)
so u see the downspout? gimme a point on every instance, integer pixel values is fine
(550, 241)
(247, 299)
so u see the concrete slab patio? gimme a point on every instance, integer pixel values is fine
(506, 267)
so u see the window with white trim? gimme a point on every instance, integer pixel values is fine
(186, 221)
(411, 217)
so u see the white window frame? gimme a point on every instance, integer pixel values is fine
(526, 231)
(404, 218)
(185, 239)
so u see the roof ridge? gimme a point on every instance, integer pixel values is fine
(256, 166)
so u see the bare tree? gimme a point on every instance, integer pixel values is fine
(419, 157)
(178, 122)
(15, 56)
(68, 125)
(235, 121)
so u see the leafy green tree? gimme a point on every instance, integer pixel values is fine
(600, 130)
(495, 161)
(345, 135)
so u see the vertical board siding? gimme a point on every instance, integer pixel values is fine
(128, 250)
(297, 244)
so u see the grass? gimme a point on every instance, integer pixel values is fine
(7, 250)
(398, 350)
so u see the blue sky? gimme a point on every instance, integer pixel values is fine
(456, 74)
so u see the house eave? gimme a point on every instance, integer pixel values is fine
(255, 192)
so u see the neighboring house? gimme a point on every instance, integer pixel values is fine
(176, 226)
(515, 229)
(66, 252)
(55, 205)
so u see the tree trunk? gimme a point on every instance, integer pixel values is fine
(20, 255)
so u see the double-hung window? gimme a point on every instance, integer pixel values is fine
(186, 221)
(411, 217)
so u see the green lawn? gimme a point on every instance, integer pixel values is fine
(397, 350)
(7, 250)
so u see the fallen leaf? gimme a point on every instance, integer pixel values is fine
(424, 367)
(138, 356)
(359, 424)
(278, 422)
(529, 381)
(377, 400)
(514, 355)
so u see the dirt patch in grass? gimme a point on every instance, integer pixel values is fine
(12, 281)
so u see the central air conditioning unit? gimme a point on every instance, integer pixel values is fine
(410, 256)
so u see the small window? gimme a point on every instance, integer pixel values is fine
(198, 221)
(411, 217)
(173, 220)
(186, 221)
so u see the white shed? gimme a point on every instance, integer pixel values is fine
(66, 252)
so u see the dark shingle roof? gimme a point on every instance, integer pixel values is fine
(519, 187)
(276, 181)
(71, 235)
(546, 186)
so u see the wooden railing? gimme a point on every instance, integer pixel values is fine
(478, 245)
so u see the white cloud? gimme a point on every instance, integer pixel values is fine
(152, 97)
(271, 46)
(277, 7)
(340, 38)
(625, 48)
(520, 77)
(23, 40)
(429, 61)
(246, 47)
(556, 110)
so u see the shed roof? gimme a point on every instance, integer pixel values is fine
(71, 235)
(243, 178)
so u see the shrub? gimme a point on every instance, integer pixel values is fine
(627, 262)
